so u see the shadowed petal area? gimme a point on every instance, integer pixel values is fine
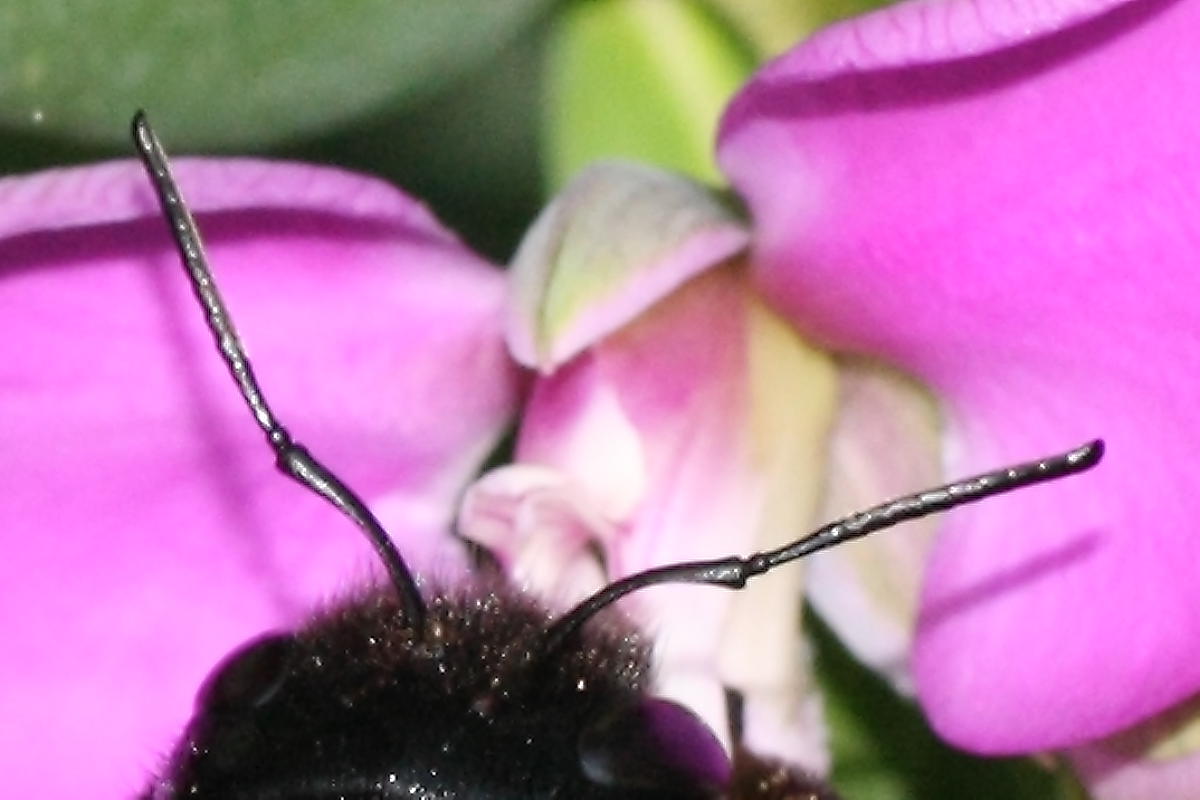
(1122, 779)
(146, 531)
(1017, 228)
(1159, 758)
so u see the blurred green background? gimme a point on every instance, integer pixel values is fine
(482, 108)
(478, 106)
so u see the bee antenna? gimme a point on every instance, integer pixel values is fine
(733, 572)
(290, 456)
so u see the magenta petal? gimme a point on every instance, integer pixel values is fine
(1018, 229)
(145, 529)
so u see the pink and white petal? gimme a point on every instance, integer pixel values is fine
(577, 423)
(1017, 229)
(713, 411)
(659, 382)
(146, 530)
(1158, 759)
(884, 443)
(619, 238)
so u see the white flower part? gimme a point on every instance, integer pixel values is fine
(542, 528)
(547, 524)
(763, 654)
(789, 723)
(885, 443)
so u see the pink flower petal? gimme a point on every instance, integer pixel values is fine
(1018, 229)
(146, 530)
(680, 436)
(645, 426)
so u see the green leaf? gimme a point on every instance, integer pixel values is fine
(640, 80)
(883, 750)
(231, 72)
(478, 169)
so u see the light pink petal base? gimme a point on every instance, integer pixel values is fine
(1017, 229)
(543, 530)
(146, 530)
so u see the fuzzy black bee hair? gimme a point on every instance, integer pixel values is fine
(474, 692)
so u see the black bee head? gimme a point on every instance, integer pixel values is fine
(356, 706)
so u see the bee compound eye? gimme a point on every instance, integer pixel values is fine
(249, 676)
(656, 745)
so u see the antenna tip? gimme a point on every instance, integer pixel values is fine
(1087, 455)
(142, 133)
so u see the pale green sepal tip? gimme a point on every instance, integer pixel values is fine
(617, 239)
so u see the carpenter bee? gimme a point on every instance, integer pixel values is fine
(473, 691)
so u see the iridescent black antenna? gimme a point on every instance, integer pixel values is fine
(291, 457)
(733, 572)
